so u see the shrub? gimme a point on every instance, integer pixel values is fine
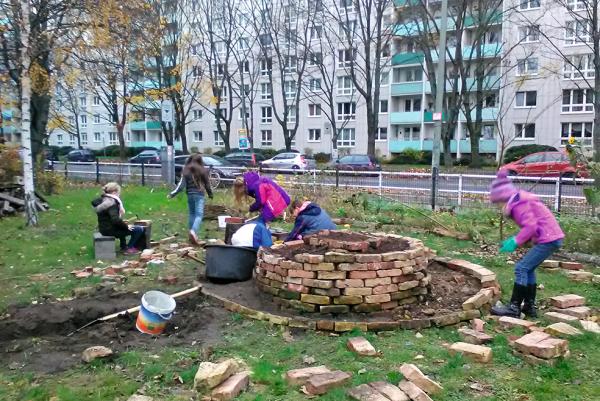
(517, 152)
(308, 152)
(409, 156)
(10, 163)
(207, 151)
(267, 153)
(322, 157)
(220, 153)
(194, 149)
(50, 182)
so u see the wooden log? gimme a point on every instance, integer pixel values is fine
(12, 199)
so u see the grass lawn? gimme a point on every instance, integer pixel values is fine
(62, 242)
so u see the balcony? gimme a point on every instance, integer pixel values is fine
(489, 83)
(408, 58)
(144, 125)
(154, 144)
(406, 117)
(489, 50)
(409, 88)
(487, 114)
(485, 145)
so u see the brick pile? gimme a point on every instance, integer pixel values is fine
(317, 380)
(224, 380)
(573, 270)
(345, 279)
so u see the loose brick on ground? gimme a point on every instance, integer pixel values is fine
(510, 322)
(414, 374)
(210, 375)
(390, 391)
(361, 346)
(556, 317)
(562, 329)
(364, 392)
(298, 377)
(474, 337)
(580, 276)
(590, 326)
(477, 325)
(477, 300)
(541, 345)
(320, 384)
(580, 312)
(231, 387)
(571, 265)
(553, 264)
(477, 353)
(413, 391)
(567, 301)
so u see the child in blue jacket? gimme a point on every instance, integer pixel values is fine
(310, 219)
(253, 234)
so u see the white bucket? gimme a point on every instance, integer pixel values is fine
(222, 222)
(157, 308)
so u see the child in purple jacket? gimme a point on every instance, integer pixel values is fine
(539, 226)
(269, 198)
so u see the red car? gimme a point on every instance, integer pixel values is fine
(546, 164)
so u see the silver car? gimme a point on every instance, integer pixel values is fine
(289, 161)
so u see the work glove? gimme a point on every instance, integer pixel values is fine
(509, 245)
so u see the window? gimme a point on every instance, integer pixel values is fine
(197, 136)
(197, 114)
(265, 91)
(527, 66)
(59, 139)
(244, 67)
(414, 74)
(526, 99)
(266, 137)
(83, 120)
(315, 5)
(96, 118)
(347, 6)
(578, 4)
(220, 114)
(314, 110)
(246, 90)
(82, 101)
(289, 14)
(222, 94)
(290, 64)
(221, 69)
(412, 104)
(346, 138)
(490, 100)
(97, 137)
(112, 138)
(488, 131)
(346, 111)
(529, 34)
(347, 28)
(72, 121)
(291, 115)
(316, 32)
(524, 131)
(381, 134)
(345, 57)
(385, 78)
(265, 40)
(583, 132)
(385, 51)
(579, 67)
(314, 84)
(266, 115)
(241, 114)
(578, 100)
(96, 101)
(314, 135)
(315, 59)
(383, 107)
(345, 85)
(217, 139)
(196, 71)
(243, 44)
(289, 88)
(578, 32)
(266, 66)
(290, 37)
(411, 133)
(220, 48)
(84, 139)
(529, 4)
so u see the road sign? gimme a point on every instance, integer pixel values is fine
(166, 108)
(243, 143)
(437, 116)
(242, 133)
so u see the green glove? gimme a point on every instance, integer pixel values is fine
(509, 245)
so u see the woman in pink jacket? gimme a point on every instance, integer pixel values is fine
(539, 226)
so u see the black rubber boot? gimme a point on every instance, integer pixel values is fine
(529, 308)
(514, 308)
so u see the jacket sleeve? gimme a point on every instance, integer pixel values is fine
(116, 220)
(262, 236)
(180, 186)
(297, 230)
(258, 200)
(526, 220)
(206, 183)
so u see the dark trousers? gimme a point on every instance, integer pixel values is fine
(136, 234)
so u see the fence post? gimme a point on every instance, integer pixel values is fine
(143, 174)
(558, 194)
(97, 172)
(380, 183)
(337, 177)
(314, 180)
(434, 176)
(460, 189)
(66, 169)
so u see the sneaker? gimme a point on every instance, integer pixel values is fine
(131, 251)
(193, 238)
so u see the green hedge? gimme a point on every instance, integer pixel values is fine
(518, 152)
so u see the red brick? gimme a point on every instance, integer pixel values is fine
(374, 282)
(364, 392)
(357, 246)
(477, 353)
(294, 244)
(571, 265)
(293, 280)
(581, 312)
(301, 273)
(477, 325)
(367, 308)
(413, 391)
(567, 301)
(389, 273)
(324, 284)
(542, 345)
(392, 392)
(298, 377)
(368, 258)
(320, 384)
(391, 256)
(385, 289)
(414, 375)
(474, 337)
(375, 266)
(349, 283)
(407, 285)
(328, 325)
(404, 278)
(362, 274)
(297, 288)
(361, 346)
(231, 387)
(510, 322)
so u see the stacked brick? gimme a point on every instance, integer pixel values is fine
(345, 278)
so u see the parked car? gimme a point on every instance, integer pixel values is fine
(81, 155)
(289, 161)
(356, 163)
(220, 169)
(245, 159)
(546, 164)
(146, 157)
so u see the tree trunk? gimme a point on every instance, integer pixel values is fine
(39, 112)
(182, 138)
(28, 185)
(371, 129)
(596, 130)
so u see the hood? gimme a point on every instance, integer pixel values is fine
(311, 210)
(518, 197)
(502, 188)
(103, 203)
(251, 179)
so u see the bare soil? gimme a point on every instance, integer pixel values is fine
(34, 338)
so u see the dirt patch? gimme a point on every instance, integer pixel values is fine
(385, 245)
(345, 236)
(34, 338)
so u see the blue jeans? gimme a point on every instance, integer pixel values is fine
(136, 233)
(525, 267)
(196, 211)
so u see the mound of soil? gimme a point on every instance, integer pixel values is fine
(386, 245)
(34, 338)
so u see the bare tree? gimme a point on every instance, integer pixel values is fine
(66, 110)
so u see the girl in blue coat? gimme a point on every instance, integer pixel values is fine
(310, 219)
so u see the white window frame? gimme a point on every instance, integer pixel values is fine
(343, 88)
(290, 88)
(586, 141)
(266, 91)
(83, 120)
(313, 86)
(291, 115)
(197, 136)
(384, 79)
(570, 72)
(59, 139)
(223, 115)
(84, 138)
(197, 114)
(576, 5)
(266, 66)
(572, 108)
(83, 101)
(112, 138)
(96, 101)
(387, 106)
(243, 44)
(266, 138)
(524, 100)
(97, 119)
(244, 67)
(410, 133)
(217, 140)
(521, 129)
(347, 28)
(412, 102)
(97, 137)
(312, 135)
(343, 116)
(241, 114)
(346, 137)
(316, 32)
(314, 110)
(381, 130)
(343, 61)
(529, 34)
(529, 5)
(266, 117)
(313, 60)
(220, 48)
(347, 6)
(291, 64)
(574, 32)
(527, 64)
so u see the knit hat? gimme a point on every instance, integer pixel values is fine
(502, 188)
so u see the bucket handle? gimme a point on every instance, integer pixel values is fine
(165, 317)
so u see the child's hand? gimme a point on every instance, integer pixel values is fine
(509, 245)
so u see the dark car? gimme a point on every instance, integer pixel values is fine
(220, 169)
(356, 163)
(81, 155)
(245, 159)
(146, 157)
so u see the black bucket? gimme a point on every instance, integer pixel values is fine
(228, 263)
